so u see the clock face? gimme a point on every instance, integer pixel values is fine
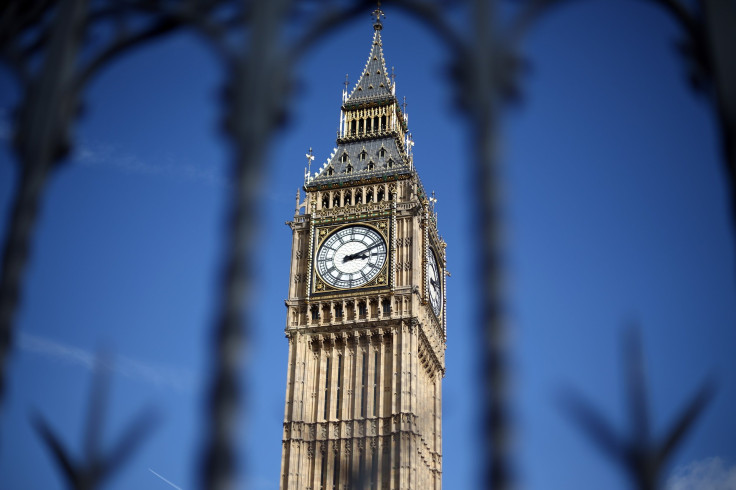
(434, 284)
(351, 257)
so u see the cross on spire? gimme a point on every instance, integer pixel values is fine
(310, 157)
(378, 13)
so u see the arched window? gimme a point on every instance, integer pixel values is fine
(325, 201)
(383, 123)
(352, 129)
(345, 155)
(380, 194)
(363, 154)
(382, 152)
(359, 197)
(330, 171)
(346, 201)
(371, 166)
(336, 201)
(369, 196)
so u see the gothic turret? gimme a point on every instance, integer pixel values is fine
(373, 140)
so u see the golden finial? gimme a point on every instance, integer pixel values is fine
(378, 13)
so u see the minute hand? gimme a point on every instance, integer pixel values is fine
(358, 254)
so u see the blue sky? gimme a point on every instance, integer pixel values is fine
(616, 213)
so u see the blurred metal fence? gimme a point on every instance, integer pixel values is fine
(41, 42)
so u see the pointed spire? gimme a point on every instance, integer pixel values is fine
(373, 83)
(375, 145)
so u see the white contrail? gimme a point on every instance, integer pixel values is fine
(177, 378)
(105, 155)
(164, 479)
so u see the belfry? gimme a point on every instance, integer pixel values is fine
(366, 320)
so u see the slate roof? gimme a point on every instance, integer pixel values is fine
(374, 83)
(393, 162)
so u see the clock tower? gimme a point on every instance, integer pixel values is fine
(366, 320)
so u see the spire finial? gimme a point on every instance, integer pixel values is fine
(378, 13)
(346, 82)
(308, 173)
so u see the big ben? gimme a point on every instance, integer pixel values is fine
(366, 310)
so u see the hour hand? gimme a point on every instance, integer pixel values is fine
(351, 257)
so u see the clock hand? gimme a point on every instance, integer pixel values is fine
(360, 254)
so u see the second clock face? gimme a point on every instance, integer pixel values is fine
(351, 257)
(434, 285)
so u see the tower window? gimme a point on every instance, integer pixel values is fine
(380, 195)
(359, 197)
(361, 466)
(326, 201)
(364, 382)
(369, 194)
(375, 384)
(386, 305)
(336, 471)
(323, 471)
(390, 163)
(338, 310)
(363, 154)
(339, 386)
(362, 310)
(315, 313)
(327, 388)
(382, 152)
(346, 202)
(330, 171)
(374, 467)
(336, 201)
(349, 169)
(371, 165)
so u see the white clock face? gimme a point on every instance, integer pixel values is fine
(434, 284)
(351, 257)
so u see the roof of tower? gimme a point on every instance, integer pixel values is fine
(375, 154)
(374, 83)
(363, 159)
